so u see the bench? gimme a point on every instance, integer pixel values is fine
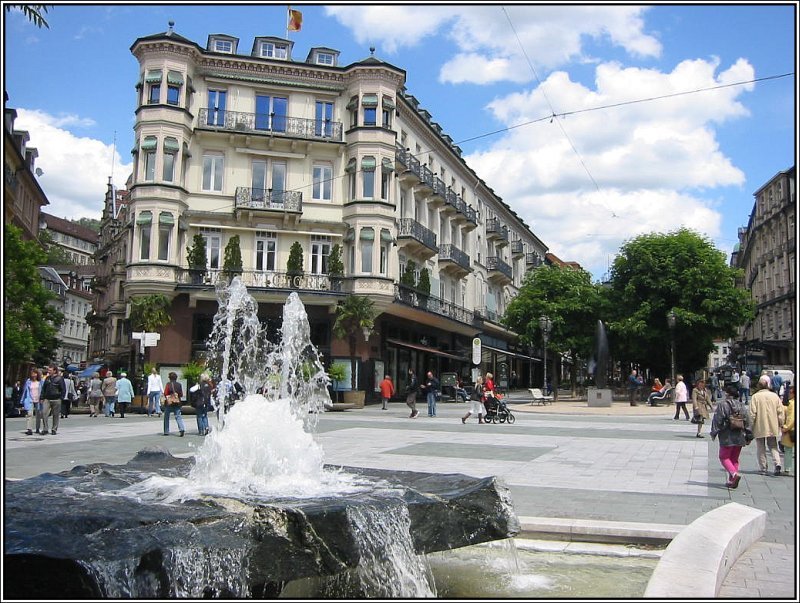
(665, 396)
(539, 397)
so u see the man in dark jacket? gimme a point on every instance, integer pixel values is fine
(53, 391)
(411, 393)
(431, 388)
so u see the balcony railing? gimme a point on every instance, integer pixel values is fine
(439, 187)
(517, 247)
(487, 314)
(409, 227)
(450, 252)
(265, 279)
(495, 230)
(401, 156)
(270, 123)
(258, 198)
(426, 176)
(472, 215)
(411, 297)
(498, 265)
(532, 259)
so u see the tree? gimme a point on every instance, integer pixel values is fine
(33, 12)
(572, 302)
(31, 321)
(409, 277)
(424, 284)
(294, 266)
(56, 256)
(352, 315)
(197, 259)
(232, 263)
(150, 313)
(681, 270)
(335, 265)
(90, 223)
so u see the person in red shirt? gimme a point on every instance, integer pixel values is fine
(488, 385)
(387, 390)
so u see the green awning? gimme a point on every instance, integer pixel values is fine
(351, 165)
(144, 217)
(149, 143)
(387, 165)
(369, 100)
(388, 102)
(386, 236)
(353, 104)
(367, 234)
(368, 164)
(350, 236)
(171, 145)
(166, 218)
(153, 76)
(175, 78)
(186, 152)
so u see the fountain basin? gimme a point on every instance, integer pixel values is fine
(92, 542)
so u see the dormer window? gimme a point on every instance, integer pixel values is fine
(269, 50)
(324, 58)
(225, 46)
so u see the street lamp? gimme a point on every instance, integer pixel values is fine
(545, 324)
(671, 320)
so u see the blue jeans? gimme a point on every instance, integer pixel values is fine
(431, 404)
(202, 421)
(110, 402)
(168, 410)
(744, 395)
(154, 403)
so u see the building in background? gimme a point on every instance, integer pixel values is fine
(766, 254)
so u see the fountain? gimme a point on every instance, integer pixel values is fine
(255, 509)
(600, 395)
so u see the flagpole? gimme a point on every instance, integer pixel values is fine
(288, 18)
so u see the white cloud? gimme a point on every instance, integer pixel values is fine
(653, 162)
(76, 169)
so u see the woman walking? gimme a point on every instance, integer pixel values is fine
(95, 395)
(476, 402)
(173, 393)
(788, 437)
(733, 433)
(31, 401)
(681, 397)
(154, 389)
(701, 405)
(203, 404)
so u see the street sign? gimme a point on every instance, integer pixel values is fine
(476, 351)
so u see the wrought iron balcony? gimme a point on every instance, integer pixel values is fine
(517, 249)
(411, 297)
(270, 123)
(401, 156)
(495, 230)
(264, 279)
(487, 314)
(495, 264)
(533, 259)
(450, 253)
(426, 176)
(410, 228)
(259, 198)
(472, 216)
(439, 187)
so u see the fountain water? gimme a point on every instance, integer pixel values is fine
(600, 395)
(256, 508)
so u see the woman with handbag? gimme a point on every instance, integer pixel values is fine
(173, 393)
(701, 405)
(733, 425)
(788, 437)
(476, 402)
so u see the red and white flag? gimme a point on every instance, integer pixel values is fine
(295, 20)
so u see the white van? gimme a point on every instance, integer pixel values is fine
(785, 374)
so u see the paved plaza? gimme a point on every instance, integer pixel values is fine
(619, 464)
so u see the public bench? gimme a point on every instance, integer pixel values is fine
(538, 397)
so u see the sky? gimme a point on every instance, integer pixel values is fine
(540, 98)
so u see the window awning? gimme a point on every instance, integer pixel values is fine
(388, 102)
(186, 152)
(175, 78)
(369, 100)
(367, 234)
(353, 104)
(166, 218)
(351, 165)
(153, 76)
(149, 143)
(144, 217)
(386, 236)
(171, 145)
(387, 165)
(509, 353)
(424, 348)
(368, 163)
(89, 371)
(350, 236)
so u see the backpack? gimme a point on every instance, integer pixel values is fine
(735, 420)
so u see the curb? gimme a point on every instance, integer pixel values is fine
(696, 562)
(595, 530)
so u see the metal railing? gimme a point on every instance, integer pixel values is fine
(401, 155)
(439, 187)
(472, 215)
(517, 247)
(259, 198)
(409, 227)
(493, 226)
(533, 259)
(450, 252)
(426, 175)
(270, 123)
(495, 263)
(487, 314)
(411, 297)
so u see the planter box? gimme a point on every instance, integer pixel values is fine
(356, 398)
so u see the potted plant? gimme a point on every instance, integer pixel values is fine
(408, 282)
(424, 287)
(337, 372)
(335, 267)
(294, 266)
(196, 258)
(232, 263)
(354, 315)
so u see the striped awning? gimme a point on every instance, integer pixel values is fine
(175, 78)
(153, 76)
(171, 145)
(388, 102)
(367, 234)
(369, 100)
(166, 218)
(145, 217)
(368, 164)
(387, 165)
(149, 143)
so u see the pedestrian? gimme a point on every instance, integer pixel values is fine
(744, 388)
(411, 393)
(514, 380)
(476, 402)
(488, 385)
(776, 381)
(715, 386)
(173, 393)
(124, 393)
(633, 387)
(731, 437)
(387, 391)
(95, 395)
(768, 415)
(31, 399)
(701, 405)
(788, 436)
(71, 395)
(681, 398)
(154, 389)
(53, 391)
(110, 393)
(431, 387)
(202, 404)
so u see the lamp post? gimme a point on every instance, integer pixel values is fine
(545, 324)
(671, 320)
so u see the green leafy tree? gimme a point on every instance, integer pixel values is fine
(33, 12)
(90, 223)
(30, 320)
(424, 285)
(56, 256)
(681, 270)
(191, 372)
(572, 302)
(337, 372)
(197, 259)
(150, 313)
(409, 278)
(335, 265)
(232, 263)
(352, 315)
(294, 266)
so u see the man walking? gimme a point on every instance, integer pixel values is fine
(633, 387)
(154, 389)
(70, 394)
(431, 389)
(54, 389)
(109, 388)
(767, 413)
(411, 393)
(777, 381)
(681, 397)
(744, 387)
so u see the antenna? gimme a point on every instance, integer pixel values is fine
(113, 154)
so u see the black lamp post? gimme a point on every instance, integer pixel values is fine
(671, 321)
(545, 324)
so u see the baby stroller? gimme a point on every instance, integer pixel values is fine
(497, 410)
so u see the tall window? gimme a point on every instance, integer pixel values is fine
(322, 119)
(322, 182)
(271, 113)
(216, 107)
(370, 116)
(213, 244)
(150, 165)
(165, 224)
(171, 147)
(266, 244)
(212, 172)
(367, 239)
(278, 182)
(259, 181)
(320, 250)
(368, 177)
(386, 179)
(144, 221)
(386, 241)
(154, 93)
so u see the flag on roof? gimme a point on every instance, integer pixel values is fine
(295, 20)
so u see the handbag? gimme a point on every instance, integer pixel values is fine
(735, 420)
(173, 399)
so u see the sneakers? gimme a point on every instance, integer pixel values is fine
(414, 414)
(735, 481)
(53, 432)
(29, 432)
(464, 420)
(777, 469)
(182, 432)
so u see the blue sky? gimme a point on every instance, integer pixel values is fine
(584, 183)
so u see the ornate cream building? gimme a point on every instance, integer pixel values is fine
(251, 142)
